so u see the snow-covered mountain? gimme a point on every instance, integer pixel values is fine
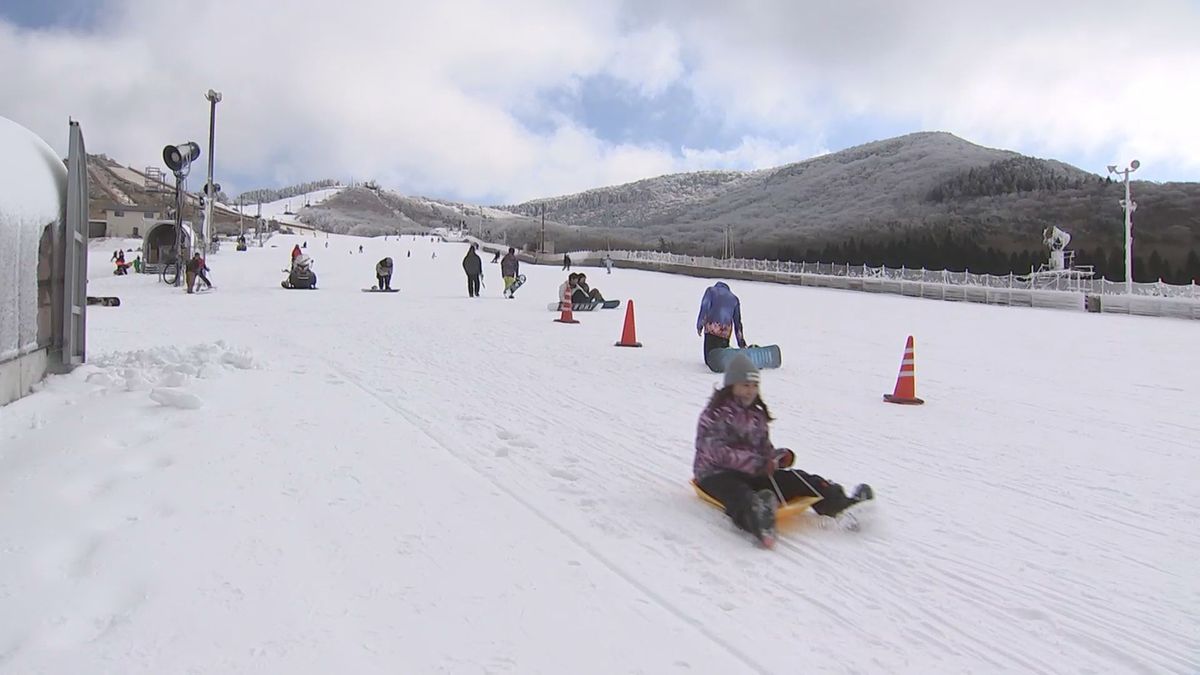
(922, 182)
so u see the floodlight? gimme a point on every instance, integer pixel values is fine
(1134, 164)
(1112, 168)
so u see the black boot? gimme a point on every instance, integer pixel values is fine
(762, 517)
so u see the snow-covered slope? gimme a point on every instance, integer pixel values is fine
(332, 480)
(278, 209)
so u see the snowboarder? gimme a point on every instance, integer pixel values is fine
(720, 316)
(510, 267)
(360, 248)
(736, 463)
(608, 263)
(473, 266)
(583, 292)
(566, 262)
(496, 258)
(383, 273)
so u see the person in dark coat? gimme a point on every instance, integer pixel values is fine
(473, 266)
(510, 269)
(383, 274)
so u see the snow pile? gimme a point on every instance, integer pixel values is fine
(33, 194)
(166, 371)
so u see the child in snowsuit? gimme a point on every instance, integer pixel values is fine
(737, 464)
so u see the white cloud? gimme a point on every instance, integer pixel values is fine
(428, 97)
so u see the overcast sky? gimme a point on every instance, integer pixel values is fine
(498, 102)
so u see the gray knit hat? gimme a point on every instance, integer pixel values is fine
(740, 369)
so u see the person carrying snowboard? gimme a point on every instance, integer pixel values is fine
(736, 463)
(473, 266)
(383, 274)
(720, 316)
(510, 267)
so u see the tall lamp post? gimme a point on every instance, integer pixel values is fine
(210, 191)
(1130, 207)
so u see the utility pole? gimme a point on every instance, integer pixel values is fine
(210, 193)
(1130, 207)
(543, 205)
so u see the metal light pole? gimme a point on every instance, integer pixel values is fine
(1130, 207)
(214, 97)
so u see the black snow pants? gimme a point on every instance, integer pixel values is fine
(712, 342)
(473, 285)
(735, 490)
(385, 280)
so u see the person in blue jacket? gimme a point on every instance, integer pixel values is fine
(720, 317)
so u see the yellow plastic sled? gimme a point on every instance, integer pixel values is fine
(792, 508)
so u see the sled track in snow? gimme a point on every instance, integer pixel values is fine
(616, 569)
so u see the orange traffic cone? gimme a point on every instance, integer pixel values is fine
(629, 334)
(565, 305)
(906, 381)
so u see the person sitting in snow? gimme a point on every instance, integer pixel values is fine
(383, 273)
(584, 293)
(737, 465)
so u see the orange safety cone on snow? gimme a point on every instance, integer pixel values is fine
(906, 381)
(629, 334)
(564, 304)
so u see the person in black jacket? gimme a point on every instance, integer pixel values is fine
(473, 266)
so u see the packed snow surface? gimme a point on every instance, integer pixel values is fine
(255, 480)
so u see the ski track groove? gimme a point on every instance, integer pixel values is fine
(616, 569)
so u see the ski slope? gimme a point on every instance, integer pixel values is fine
(277, 209)
(265, 480)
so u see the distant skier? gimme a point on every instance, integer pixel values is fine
(496, 258)
(473, 266)
(566, 262)
(409, 254)
(296, 252)
(360, 248)
(720, 316)
(510, 267)
(608, 263)
(736, 463)
(383, 274)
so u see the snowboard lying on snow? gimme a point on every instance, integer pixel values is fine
(105, 301)
(586, 306)
(381, 290)
(761, 357)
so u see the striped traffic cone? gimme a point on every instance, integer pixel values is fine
(906, 381)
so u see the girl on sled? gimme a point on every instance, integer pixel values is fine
(737, 465)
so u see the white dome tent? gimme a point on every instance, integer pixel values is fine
(43, 258)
